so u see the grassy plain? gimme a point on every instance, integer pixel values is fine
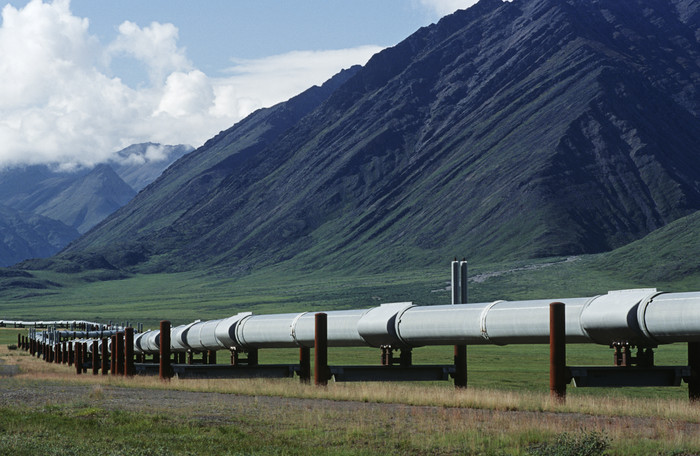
(508, 384)
(506, 410)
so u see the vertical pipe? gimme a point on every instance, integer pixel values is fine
(129, 352)
(460, 366)
(212, 356)
(105, 357)
(164, 371)
(78, 357)
(95, 358)
(463, 276)
(456, 289)
(694, 364)
(119, 354)
(305, 364)
(321, 370)
(557, 352)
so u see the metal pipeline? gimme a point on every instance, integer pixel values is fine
(643, 317)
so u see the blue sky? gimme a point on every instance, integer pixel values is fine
(81, 79)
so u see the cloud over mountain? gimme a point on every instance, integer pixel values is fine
(62, 103)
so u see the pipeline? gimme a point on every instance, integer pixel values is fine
(642, 317)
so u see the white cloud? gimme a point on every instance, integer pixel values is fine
(444, 7)
(60, 102)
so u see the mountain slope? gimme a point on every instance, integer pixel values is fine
(509, 130)
(88, 200)
(140, 164)
(25, 235)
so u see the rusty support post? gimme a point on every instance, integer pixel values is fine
(71, 353)
(234, 357)
(113, 354)
(85, 357)
(105, 357)
(129, 369)
(95, 358)
(205, 355)
(78, 358)
(164, 371)
(694, 364)
(321, 370)
(386, 355)
(190, 357)
(182, 358)
(557, 351)
(119, 354)
(19, 340)
(59, 356)
(460, 366)
(305, 364)
(212, 356)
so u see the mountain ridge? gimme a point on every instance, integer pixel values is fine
(511, 130)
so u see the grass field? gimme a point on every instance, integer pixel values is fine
(505, 410)
(510, 382)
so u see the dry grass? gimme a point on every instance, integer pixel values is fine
(664, 425)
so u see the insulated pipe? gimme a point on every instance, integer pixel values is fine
(643, 317)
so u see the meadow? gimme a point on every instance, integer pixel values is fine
(506, 408)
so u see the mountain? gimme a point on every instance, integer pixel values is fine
(26, 235)
(513, 130)
(140, 164)
(88, 200)
(75, 200)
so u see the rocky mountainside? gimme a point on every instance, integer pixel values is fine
(509, 130)
(25, 235)
(140, 164)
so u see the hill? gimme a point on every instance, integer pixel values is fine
(524, 129)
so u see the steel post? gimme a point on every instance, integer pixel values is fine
(129, 352)
(463, 281)
(119, 354)
(165, 371)
(85, 357)
(95, 358)
(557, 352)
(113, 354)
(78, 358)
(456, 285)
(321, 371)
(694, 364)
(105, 357)
(460, 366)
(305, 364)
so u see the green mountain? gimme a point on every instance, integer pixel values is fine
(513, 130)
